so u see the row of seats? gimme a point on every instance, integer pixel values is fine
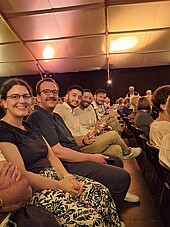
(149, 158)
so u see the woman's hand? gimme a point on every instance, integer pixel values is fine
(70, 184)
(8, 175)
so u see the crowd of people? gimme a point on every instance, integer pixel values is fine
(55, 151)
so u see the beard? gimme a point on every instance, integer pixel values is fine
(99, 103)
(85, 104)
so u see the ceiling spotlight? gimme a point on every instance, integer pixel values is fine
(48, 52)
(123, 43)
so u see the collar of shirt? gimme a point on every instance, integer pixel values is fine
(69, 108)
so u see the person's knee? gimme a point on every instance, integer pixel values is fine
(112, 135)
(125, 178)
(118, 161)
(114, 150)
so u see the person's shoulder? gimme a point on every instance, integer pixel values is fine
(35, 114)
(77, 110)
(90, 108)
(4, 125)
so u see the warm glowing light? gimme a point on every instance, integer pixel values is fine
(48, 52)
(123, 43)
(109, 81)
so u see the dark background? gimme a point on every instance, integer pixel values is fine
(141, 78)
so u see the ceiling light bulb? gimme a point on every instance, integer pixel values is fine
(48, 52)
(109, 81)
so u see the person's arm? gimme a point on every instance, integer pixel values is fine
(79, 141)
(62, 172)
(69, 155)
(8, 174)
(37, 182)
(15, 189)
(15, 195)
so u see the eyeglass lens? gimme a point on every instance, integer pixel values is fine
(17, 96)
(48, 92)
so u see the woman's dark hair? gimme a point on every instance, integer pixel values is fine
(144, 104)
(8, 84)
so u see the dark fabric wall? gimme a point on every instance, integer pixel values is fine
(141, 78)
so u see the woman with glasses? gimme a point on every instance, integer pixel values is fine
(74, 200)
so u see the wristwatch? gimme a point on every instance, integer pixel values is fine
(1, 202)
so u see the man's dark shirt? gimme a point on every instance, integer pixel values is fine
(52, 128)
(126, 111)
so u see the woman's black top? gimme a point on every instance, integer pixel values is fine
(30, 143)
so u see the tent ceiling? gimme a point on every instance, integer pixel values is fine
(81, 33)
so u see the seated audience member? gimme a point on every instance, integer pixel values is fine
(107, 104)
(134, 104)
(120, 104)
(149, 95)
(143, 118)
(61, 100)
(73, 200)
(101, 111)
(98, 102)
(164, 151)
(15, 190)
(85, 111)
(34, 102)
(161, 126)
(65, 147)
(87, 115)
(106, 143)
(126, 107)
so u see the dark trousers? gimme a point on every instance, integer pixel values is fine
(114, 177)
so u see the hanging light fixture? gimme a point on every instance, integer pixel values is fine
(109, 81)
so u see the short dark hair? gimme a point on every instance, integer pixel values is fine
(8, 84)
(77, 87)
(100, 90)
(46, 79)
(87, 90)
(144, 104)
(160, 96)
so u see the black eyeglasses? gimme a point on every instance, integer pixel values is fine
(48, 92)
(16, 97)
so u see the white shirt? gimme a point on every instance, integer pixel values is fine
(164, 151)
(86, 116)
(158, 130)
(70, 119)
(99, 109)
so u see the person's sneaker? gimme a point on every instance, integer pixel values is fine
(135, 152)
(122, 224)
(131, 198)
